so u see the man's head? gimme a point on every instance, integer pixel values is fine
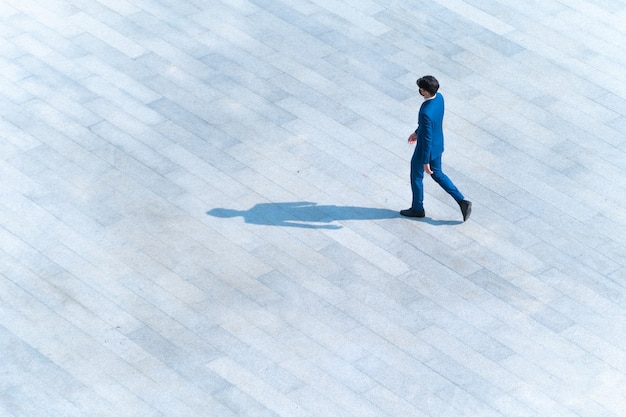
(428, 85)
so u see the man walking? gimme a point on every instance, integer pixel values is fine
(427, 155)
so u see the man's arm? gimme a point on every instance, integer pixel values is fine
(426, 130)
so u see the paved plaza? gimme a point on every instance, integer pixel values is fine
(199, 209)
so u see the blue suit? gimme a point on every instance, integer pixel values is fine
(428, 150)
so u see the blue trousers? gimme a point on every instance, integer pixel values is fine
(417, 185)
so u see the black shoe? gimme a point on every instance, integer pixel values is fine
(413, 213)
(466, 209)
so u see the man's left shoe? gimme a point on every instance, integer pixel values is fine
(466, 209)
(412, 213)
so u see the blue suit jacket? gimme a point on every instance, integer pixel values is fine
(430, 130)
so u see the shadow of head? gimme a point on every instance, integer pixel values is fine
(224, 213)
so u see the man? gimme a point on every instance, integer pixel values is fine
(427, 155)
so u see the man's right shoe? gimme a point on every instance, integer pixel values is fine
(466, 209)
(412, 213)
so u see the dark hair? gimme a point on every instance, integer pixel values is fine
(428, 83)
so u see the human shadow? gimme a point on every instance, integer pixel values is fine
(303, 214)
(440, 222)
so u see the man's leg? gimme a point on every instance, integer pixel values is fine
(417, 188)
(443, 180)
(445, 183)
(417, 184)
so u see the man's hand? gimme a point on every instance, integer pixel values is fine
(413, 139)
(427, 169)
